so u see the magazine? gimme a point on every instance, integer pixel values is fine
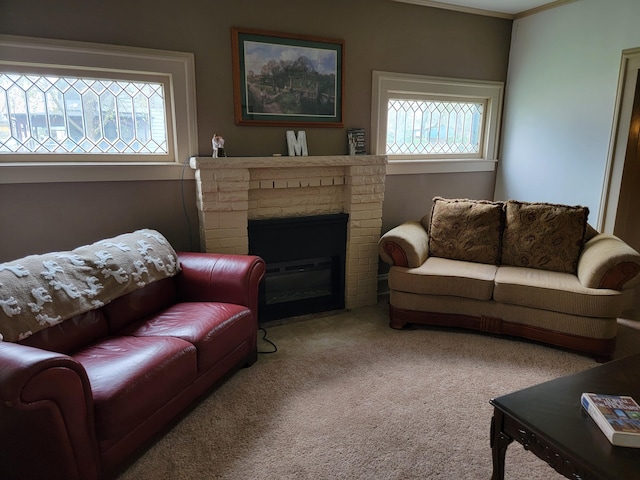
(618, 416)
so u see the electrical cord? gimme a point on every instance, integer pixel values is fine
(264, 337)
(186, 214)
(184, 204)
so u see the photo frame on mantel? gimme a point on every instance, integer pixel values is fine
(287, 80)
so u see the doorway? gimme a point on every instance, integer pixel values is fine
(621, 195)
(626, 225)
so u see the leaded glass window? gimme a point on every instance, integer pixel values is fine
(435, 124)
(417, 127)
(67, 114)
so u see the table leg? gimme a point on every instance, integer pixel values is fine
(499, 443)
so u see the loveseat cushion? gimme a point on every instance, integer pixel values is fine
(40, 291)
(443, 276)
(543, 235)
(132, 377)
(555, 291)
(463, 229)
(71, 335)
(216, 329)
(140, 303)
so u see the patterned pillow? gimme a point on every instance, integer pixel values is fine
(463, 229)
(543, 235)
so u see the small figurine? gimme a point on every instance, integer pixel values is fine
(217, 142)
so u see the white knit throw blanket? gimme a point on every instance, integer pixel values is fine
(39, 291)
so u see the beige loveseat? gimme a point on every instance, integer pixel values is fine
(531, 270)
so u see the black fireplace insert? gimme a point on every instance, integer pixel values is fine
(305, 259)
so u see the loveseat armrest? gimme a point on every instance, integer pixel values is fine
(608, 262)
(46, 413)
(406, 245)
(219, 277)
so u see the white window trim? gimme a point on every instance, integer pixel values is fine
(181, 99)
(385, 84)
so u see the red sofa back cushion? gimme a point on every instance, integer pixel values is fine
(77, 332)
(140, 303)
(71, 335)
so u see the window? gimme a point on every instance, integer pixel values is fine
(75, 112)
(52, 114)
(432, 127)
(429, 124)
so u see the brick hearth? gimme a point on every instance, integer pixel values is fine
(232, 191)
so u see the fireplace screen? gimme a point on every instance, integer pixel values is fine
(298, 280)
(305, 259)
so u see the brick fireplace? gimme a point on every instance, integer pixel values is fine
(232, 191)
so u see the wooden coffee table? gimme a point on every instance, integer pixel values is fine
(548, 420)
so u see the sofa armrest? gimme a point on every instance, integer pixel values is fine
(218, 277)
(46, 413)
(608, 262)
(406, 245)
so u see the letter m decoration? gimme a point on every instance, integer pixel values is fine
(297, 146)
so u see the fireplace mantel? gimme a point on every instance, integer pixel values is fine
(286, 162)
(233, 190)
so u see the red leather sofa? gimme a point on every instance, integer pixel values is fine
(79, 399)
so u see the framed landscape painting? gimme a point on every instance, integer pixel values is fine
(287, 80)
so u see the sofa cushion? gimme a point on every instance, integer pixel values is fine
(443, 276)
(463, 229)
(132, 377)
(543, 235)
(216, 329)
(44, 290)
(72, 335)
(140, 303)
(555, 291)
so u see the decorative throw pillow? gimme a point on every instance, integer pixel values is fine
(543, 235)
(462, 229)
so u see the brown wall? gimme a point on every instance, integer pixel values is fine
(61, 216)
(378, 34)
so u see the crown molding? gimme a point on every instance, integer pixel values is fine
(489, 13)
(458, 8)
(541, 8)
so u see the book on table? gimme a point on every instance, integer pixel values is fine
(618, 416)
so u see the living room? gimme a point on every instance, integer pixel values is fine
(543, 142)
(561, 69)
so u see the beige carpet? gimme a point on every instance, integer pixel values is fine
(346, 397)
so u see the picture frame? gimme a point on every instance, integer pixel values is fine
(288, 80)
